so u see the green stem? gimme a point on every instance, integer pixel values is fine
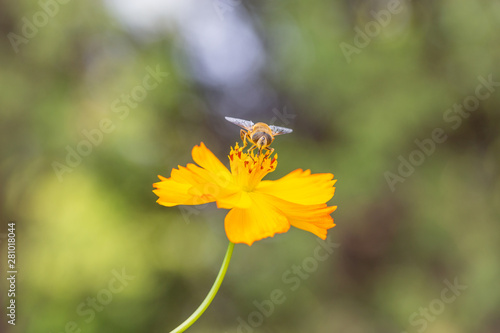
(211, 294)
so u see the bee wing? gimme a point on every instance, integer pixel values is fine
(277, 130)
(246, 124)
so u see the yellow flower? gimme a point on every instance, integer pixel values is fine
(258, 209)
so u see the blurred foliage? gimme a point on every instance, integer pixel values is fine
(351, 118)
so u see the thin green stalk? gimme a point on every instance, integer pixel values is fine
(211, 294)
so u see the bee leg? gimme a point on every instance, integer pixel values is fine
(269, 151)
(251, 149)
(243, 135)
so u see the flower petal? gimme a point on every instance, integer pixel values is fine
(238, 199)
(317, 222)
(301, 187)
(208, 161)
(260, 220)
(171, 192)
(194, 185)
(190, 185)
(312, 218)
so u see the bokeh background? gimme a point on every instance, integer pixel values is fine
(357, 83)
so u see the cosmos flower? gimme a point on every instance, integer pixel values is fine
(257, 208)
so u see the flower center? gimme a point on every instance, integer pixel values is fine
(248, 169)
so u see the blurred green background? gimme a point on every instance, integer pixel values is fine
(360, 82)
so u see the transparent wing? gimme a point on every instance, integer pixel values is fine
(246, 124)
(277, 130)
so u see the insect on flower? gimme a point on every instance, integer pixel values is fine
(258, 208)
(260, 135)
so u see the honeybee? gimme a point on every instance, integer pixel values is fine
(260, 135)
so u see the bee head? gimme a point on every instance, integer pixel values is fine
(261, 139)
(262, 142)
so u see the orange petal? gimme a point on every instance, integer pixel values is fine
(318, 226)
(189, 185)
(171, 193)
(208, 161)
(301, 187)
(312, 218)
(237, 199)
(194, 185)
(259, 221)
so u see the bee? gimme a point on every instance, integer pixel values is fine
(260, 135)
